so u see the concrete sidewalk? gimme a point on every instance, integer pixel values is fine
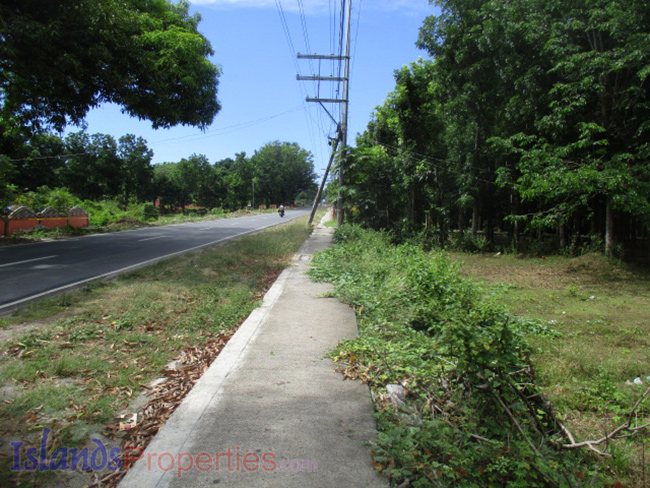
(271, 411)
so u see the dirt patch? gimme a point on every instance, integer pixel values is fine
(15, 331)
(553, 273)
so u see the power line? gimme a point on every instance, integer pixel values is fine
(308, 115)
(287, 33)
(228, 129)
(53, 156)
(343, 101)
(356, 39)
(340, 48)
(356, 36)
(190, 137)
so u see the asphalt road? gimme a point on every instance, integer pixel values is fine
(32, 271)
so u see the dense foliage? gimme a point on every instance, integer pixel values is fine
(276, 173)
(469, 412)
(97, 167)
(89, 167)
(58, 59)
(531, 117)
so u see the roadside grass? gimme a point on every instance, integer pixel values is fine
(96, 347)
(599, 311)
(101, 222)
(462, 359)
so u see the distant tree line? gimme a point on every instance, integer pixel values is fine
(532, 120)
(279, 172)
(60, 59)
(97, 167)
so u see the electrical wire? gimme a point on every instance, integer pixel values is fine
(340, 52)
(190, 137)
(228, 129)
(354, 53)
(356, 37)
(287, 33)
(336, 18)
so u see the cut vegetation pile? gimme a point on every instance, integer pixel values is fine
(454, 376)
(95, 351)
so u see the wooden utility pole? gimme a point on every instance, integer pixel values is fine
(342, 127)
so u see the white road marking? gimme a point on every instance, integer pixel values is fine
(151, 238)
(119, 271)
(26, 261)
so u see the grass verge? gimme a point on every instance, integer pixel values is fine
(589, 324)
(94, 350)
(465, 382)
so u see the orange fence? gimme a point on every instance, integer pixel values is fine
(23, 219)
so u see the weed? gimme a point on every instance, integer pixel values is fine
(97, 347)
(474, 412)
(598, 307)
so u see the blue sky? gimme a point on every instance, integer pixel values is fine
(261, 99)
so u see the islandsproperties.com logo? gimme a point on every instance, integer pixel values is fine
(64, 459)
(101, 457)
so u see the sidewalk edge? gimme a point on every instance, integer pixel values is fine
(207, 391)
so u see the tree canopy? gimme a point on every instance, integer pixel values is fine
(60, 58)
(530, 118)
(283, 170)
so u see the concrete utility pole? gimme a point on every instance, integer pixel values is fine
(319, 193)
(344, 114)
(342, 127)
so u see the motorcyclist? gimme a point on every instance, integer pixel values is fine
(281, 210)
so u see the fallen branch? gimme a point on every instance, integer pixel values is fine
(516, 424)
(626, 427)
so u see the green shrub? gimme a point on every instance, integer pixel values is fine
(58, 198)
(150, 212)
(470, 242)
(218, 212)
(473, 414)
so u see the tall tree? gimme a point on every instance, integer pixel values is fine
(400, 183)
(137, 172)
(587, 153)
(165, 188)
(60, 58)
(38, 163)
(232, 188)
(93, 168)
(482, 51)
(283, 169)
(189, 176)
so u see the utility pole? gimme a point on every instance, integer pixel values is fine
(344, 114)
(319, 193)
(342, 127)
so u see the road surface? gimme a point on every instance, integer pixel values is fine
(32, 271)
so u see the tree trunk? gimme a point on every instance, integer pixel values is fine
(475, 219)
(461, 221)
(561, 230)
(609, 227)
